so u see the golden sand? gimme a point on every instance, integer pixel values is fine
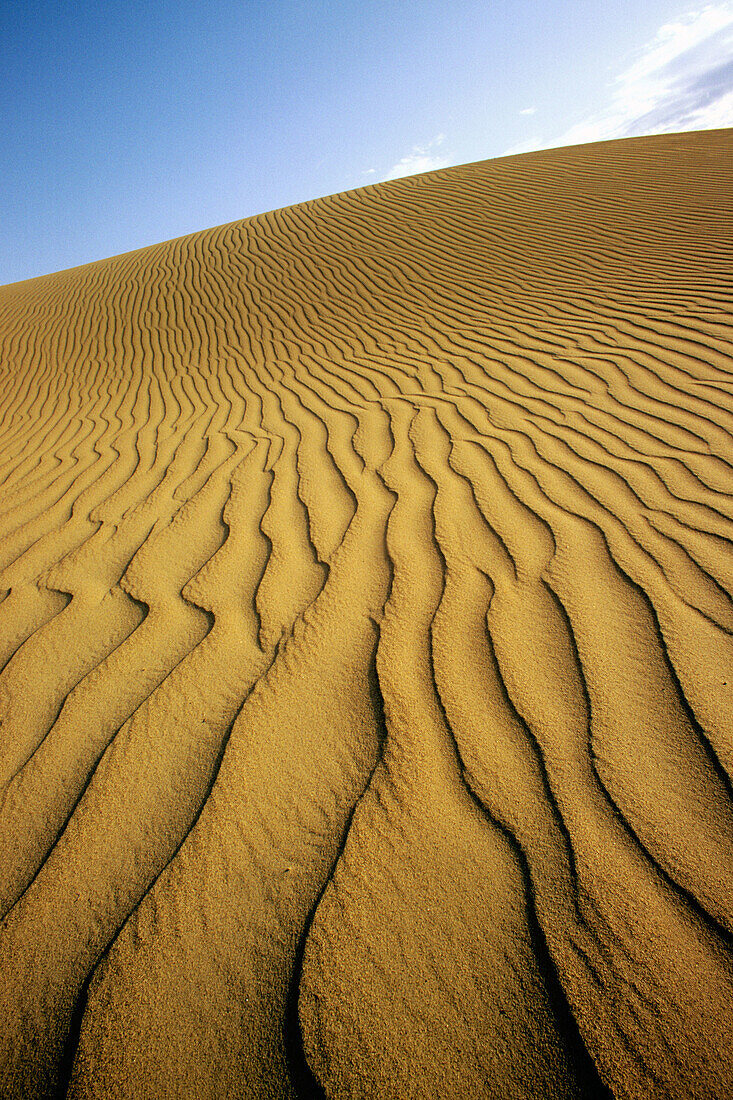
(367, 632)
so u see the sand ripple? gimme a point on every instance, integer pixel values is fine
(366, 633)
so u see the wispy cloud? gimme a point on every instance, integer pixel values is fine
(421, 158)
(527, 146)
(528, 111)
(680, 80)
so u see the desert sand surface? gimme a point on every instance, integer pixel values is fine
(367, 645)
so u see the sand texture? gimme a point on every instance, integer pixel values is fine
(366, 633)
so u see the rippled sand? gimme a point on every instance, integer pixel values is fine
(366, 623)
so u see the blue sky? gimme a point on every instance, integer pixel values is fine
(127, 123)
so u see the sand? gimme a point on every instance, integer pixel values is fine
(367, 645)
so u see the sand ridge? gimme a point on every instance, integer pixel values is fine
(366, 627)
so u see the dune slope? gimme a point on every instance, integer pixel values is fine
(366, 627)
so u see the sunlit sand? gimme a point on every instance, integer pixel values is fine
(366, 620)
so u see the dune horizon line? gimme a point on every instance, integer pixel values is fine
(361, 187)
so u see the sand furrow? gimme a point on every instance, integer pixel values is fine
(366, 645)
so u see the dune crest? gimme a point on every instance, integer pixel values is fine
(366, 627)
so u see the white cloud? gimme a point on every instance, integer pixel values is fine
(420, 159)
(528, 111)
(680, 80)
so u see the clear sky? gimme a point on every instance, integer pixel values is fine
(127, 122)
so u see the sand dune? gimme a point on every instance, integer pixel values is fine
(367, 645)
